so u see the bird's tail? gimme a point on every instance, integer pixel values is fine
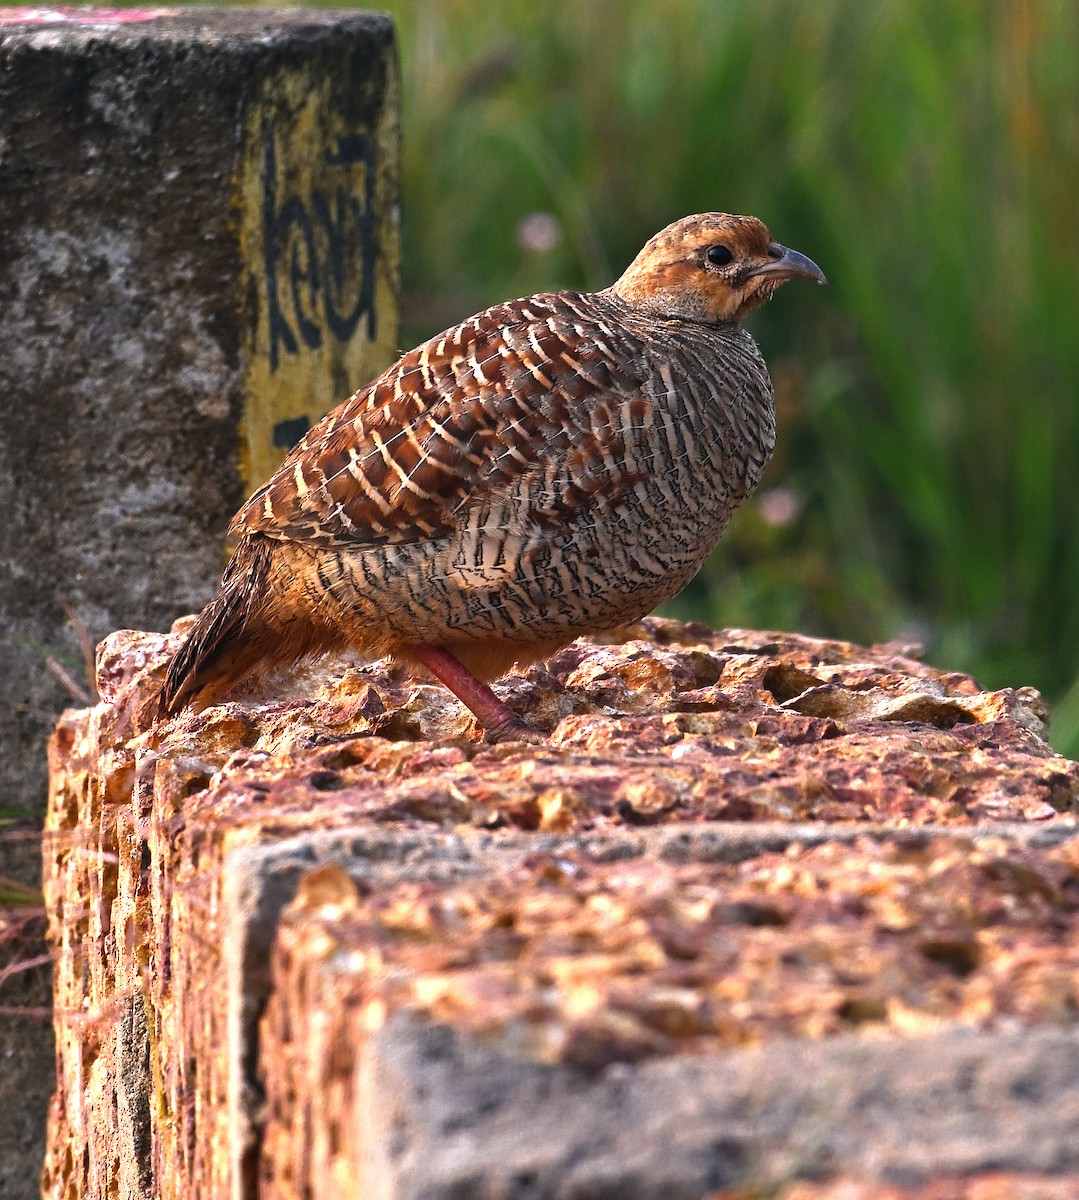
(229, 640)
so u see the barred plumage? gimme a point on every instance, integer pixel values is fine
(552, 466)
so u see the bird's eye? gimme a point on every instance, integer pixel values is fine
(719, 256)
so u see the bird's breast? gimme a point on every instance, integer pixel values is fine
(626, 510)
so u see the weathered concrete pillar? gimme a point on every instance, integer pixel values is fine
(198, 256)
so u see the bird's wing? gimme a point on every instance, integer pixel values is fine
(521, 385)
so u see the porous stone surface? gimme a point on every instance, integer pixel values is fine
(416, 1110)
(570, 960)
(408, 1032)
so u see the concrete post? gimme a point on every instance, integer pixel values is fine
(198, 256)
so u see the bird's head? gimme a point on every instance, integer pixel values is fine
(713, 267)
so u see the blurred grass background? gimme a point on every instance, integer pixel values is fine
(925, 153)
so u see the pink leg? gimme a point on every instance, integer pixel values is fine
(500, 723)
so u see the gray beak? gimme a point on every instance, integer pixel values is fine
(789, 264)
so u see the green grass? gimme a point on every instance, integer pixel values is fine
(925, 153)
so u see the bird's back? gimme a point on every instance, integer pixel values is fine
(551, 465)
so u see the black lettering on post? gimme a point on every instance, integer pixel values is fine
(280, 332)
(320, 251)
(303, 270)
(288, 432)
(353, 150)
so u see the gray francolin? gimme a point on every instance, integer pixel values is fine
(554, 466)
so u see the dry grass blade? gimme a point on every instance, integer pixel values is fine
(86, 648)
(74, 688)
(14, 894)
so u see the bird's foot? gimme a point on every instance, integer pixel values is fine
(500, 723)
(513, 729)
